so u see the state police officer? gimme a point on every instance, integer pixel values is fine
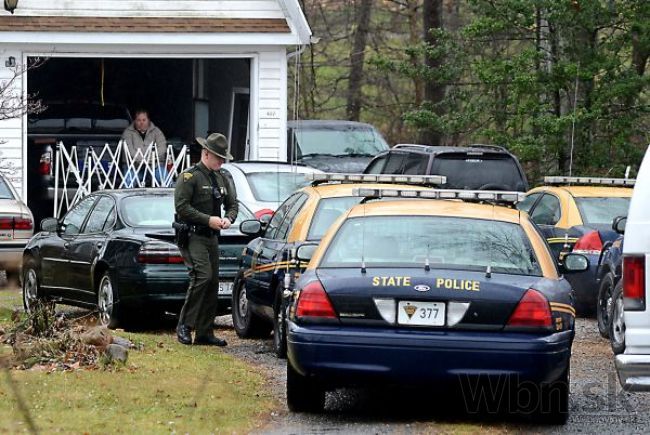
(200, 192)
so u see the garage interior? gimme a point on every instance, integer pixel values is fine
(185, 98)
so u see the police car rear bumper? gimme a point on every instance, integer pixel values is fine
(634, 372)
(359, 356)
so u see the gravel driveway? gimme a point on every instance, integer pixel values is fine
(597, 403)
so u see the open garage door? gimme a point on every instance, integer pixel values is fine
(90, 101)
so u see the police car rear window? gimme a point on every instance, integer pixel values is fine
(602, 210)
(329, 210)
(447, 243)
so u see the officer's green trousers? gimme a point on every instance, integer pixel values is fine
(200, 308)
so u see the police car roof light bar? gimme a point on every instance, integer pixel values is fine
(505, 197)
(425, 180)
(590, 181)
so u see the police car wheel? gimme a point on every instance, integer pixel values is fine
(279, 326)
(303, 394)
(604, 308)
(108, 308)
(617, 322)
(247, 324)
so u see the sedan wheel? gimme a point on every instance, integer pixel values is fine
(106, 302)
(604, 308)
(30, 289)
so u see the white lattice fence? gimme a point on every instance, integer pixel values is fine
(78, 172)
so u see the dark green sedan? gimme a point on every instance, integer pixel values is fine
(112, 252)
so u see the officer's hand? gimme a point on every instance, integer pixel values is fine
(225, 223)
(215, 223)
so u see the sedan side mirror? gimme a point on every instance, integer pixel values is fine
(251, 227)
(50, 224)
(306, 252)
(619, 223)
(575, 263)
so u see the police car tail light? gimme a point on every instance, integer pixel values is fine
(634, 282)
(159, 253)
(313, 302)
(590, 243)
(532, 311)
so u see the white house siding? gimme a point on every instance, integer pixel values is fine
(272, 105)
(157, 8)
(11, 130)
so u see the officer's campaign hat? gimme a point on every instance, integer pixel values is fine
(217, 144)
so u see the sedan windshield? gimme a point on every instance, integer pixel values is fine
(357, 141)
(443, 242)
(602, 210)
(275, 186)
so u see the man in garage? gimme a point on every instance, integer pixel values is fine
(140, 135)
(200, 191)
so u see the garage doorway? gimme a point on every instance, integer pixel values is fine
(91, 100)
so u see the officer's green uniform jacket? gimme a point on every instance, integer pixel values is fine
(193, 195)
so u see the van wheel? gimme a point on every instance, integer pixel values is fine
(617, 323)
(247, 324)
(279, 325)
(108, 307)
(303, 394)
(604, 308)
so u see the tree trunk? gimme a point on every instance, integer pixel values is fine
(414, 39)
(357, 57)
(433, 92)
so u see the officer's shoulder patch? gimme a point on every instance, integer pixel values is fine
(187, 176)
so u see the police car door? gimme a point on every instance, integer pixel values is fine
(268, 254)
(546, 214)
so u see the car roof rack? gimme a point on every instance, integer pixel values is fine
(423, 180)
(586, 181)
(490, 196)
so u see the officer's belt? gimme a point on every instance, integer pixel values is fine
(203, 230)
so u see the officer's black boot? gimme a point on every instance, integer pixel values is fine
(210, 340)
(184, 334)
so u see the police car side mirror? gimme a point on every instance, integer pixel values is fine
(251, 227)
(619, 223)
(50, 224)
(266, 219)
(575, 263)
(306, 252)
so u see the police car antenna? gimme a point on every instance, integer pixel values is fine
(488, 270)
(363, 241)
(427, 266)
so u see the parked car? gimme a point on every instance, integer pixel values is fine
(609, 272)
(575, 214)
(434, 294)
(268, 263)
(484, 167)
(112, 252)
(262, 186)
(333, 146)
(16, 228)
(630, 311)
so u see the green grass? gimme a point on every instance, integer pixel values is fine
(166, 387)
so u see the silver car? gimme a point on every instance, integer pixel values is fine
(263, 186)
(16, 228)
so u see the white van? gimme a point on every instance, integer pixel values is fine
(633, 365)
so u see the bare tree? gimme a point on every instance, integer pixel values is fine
(14, 104)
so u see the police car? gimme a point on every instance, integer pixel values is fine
(419, 292)
(576, 214)
(268, 265)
